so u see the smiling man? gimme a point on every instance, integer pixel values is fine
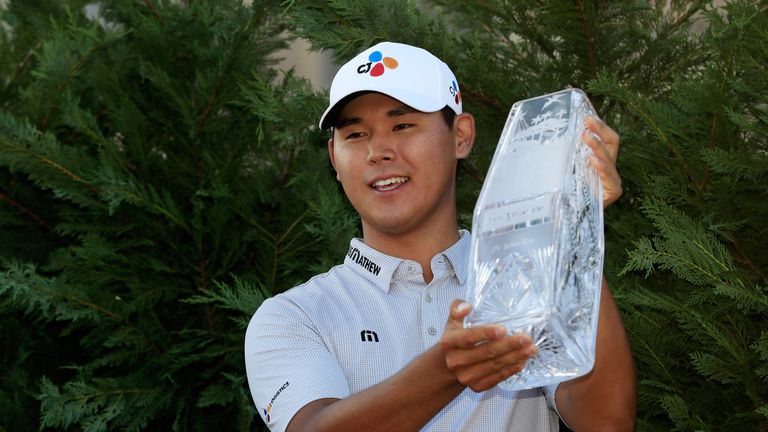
(377, 343)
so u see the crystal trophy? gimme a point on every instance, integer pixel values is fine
(537, 239)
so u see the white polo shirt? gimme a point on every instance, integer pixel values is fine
(361, 322)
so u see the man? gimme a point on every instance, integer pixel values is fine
(377, 343)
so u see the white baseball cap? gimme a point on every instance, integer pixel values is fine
(409, 74)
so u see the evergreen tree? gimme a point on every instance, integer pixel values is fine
(159, 179)
(698, 319)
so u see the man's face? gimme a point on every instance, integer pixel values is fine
(398, 165)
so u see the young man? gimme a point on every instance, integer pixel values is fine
(377, 343)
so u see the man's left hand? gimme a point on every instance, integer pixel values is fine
(604, 143)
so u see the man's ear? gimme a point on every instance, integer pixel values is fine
(464, 133)
(332, 157)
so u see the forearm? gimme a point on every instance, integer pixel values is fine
(477, 358)
(404, 402)
(604, 399)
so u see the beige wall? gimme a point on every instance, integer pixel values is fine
(315, 66)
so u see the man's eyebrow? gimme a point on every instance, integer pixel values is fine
(343, 122)
(401, 110)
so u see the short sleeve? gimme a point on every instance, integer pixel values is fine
(287, 363)
(550, 392)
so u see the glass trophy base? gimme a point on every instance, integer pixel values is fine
(537, 239)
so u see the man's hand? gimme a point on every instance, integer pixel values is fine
(604, 143)
(481, 357)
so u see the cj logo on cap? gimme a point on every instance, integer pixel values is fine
(376, 64)
(454, 89)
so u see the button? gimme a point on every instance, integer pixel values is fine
(428, 298)
(431, 330)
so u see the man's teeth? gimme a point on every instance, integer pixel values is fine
(390, 183)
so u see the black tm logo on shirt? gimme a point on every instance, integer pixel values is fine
(363, 261)
(369, 336)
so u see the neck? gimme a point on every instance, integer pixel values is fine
(419, 246)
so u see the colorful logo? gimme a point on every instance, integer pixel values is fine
(454, 89)
(377, 64)
(268, 410)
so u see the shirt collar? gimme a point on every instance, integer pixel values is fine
(458, 255)
(371, 264)
(379, 268)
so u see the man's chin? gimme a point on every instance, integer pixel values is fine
(394, 227)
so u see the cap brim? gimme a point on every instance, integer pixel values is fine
(332, 112)
(417, 101)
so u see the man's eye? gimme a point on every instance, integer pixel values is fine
(353, 135)
(401, 126)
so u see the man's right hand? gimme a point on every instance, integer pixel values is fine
(483, 356)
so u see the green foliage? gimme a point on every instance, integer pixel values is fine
(97, 404)
(697, 320)
(159, 178)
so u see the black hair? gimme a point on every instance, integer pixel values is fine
(448, 115)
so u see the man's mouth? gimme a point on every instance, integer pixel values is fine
(388, 184)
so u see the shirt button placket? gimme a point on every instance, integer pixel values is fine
(429, 313)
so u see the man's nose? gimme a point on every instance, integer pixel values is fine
(380, 148)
